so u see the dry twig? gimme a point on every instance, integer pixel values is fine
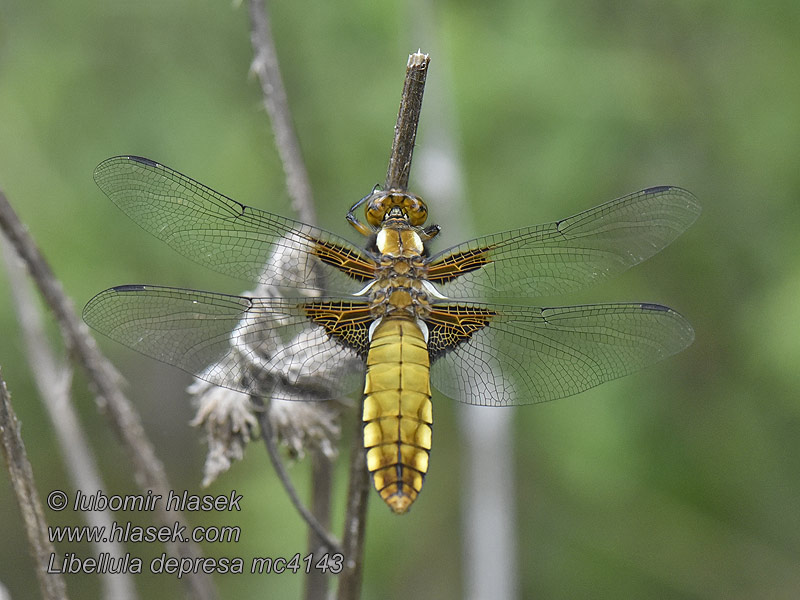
(53, 378)
(19, 468)
(330, 542)
(147, 468)
(405, 133)
(265, 65)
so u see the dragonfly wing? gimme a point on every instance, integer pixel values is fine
(273, 347)
(227, 236)
(492, 355)
(565, 255)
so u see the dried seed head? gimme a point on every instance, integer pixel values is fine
(278, 355)
(229, 422)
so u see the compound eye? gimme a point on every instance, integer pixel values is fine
(417, 212)
(375, 210)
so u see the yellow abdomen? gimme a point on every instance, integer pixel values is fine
(397, 411)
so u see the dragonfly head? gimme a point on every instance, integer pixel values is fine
(395, 205)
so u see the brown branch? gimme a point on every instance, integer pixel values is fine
(405, 131)
(53, 378)
(51, 585)
(355, 521)
(316, 583)
(268, 436)
(265, 66)
(147, 468)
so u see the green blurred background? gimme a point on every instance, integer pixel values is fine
(682, 481)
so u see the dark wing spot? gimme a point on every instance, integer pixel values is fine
(660, 307)
(144, 161)
(129, 288)
(657, 189)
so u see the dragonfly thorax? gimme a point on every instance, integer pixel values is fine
(399, 240)
(400, 272)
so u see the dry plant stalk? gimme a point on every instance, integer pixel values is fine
(51, 585)
(124, 420)
(405, 133)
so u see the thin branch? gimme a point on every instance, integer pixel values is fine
(53, 379)
(269, 440)
(355, 521)
(316, 584)
(51, 585)
(265, 66)
(147, 468)
(405, 131)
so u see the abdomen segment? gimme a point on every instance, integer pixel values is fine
(397, 411)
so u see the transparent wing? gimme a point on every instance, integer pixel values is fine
(264, 346)
(524, 355)
(227, 236)
(565, 255)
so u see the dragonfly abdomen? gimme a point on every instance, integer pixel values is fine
(397, 410)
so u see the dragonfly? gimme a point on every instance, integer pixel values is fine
(391, 315)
